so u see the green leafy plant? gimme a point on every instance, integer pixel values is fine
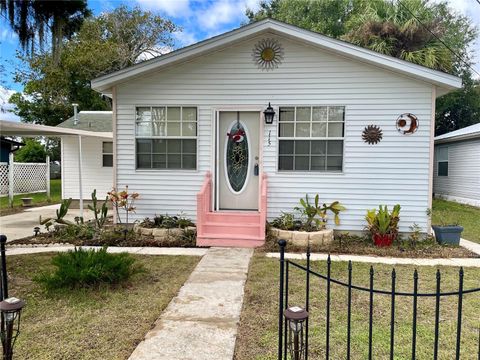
(82, 268)
(286, 221)
(61, 213)
(382, 221)
(316, 215)
(123, 200)
(167, 222)
(101, 214)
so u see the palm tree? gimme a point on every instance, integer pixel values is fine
(392, 28)
(33, 19)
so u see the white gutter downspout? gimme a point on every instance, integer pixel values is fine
(80, 190)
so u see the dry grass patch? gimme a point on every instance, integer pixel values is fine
(103, 323)
(258, 328)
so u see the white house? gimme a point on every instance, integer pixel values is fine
(457, 166)
(97, 155)
(190, 133)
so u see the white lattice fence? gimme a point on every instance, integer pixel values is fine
(29, 177)
(23, 178)
(3, 178)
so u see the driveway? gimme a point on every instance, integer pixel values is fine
(21, 225)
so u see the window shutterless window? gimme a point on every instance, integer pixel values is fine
(311, 138)
(442, 161)
(166, 137)
(107, 154)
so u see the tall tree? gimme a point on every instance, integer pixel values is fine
(109, 42)
(425, 32)
(38, 20)
(458, 108)
(407, 29)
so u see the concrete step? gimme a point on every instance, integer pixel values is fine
(233, 217)
(228, 229)
(231, 241)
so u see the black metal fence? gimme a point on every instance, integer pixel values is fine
(285, 268)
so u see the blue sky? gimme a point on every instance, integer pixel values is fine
(198, 19)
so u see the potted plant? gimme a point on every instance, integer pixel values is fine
(383, 225)
(448, 234)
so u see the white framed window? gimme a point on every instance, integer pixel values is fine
(311, 138)
(166, 137)
(442, 161)
(107, 154)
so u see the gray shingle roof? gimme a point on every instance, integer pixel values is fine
(98, 121)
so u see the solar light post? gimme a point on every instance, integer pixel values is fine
(10, 310)
(295, 317)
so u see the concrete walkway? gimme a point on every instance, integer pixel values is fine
(23, 250)
(20, 225)
(466, 262)
(201, 322)
(470, 245)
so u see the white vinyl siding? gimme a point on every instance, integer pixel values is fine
(463, 181)
(94, 174)
(396, 170)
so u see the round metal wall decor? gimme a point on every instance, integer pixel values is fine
(372, 134)
(267, 54)
(407, 123)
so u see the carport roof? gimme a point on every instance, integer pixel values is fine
(12, 128)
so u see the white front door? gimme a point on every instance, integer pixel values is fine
(238, 160)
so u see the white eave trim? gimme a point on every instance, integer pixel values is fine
(12, 128)
(438, 78)
(458, 138)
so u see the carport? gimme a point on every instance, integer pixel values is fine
(10, 128)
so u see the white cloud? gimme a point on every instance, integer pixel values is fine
(6, 108)
(185, 37)
(224, 12)
(157, 51)
(7, 35)
(174, 8)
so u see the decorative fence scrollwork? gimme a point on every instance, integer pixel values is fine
(392, 295)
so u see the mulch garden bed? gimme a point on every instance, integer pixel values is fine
(358, 245)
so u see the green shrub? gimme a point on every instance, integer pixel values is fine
(167, 222)
(87, 268)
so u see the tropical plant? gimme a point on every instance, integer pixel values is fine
(382, 221)
(167, 222)
(316, 215)
(123, 200)
(61, 212)
(101, 214)
(287, 221)
(86, 268)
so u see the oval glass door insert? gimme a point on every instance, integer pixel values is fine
(236, 160)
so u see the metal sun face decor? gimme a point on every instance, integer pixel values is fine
(407, 124)
(267, 54)
(372, 134)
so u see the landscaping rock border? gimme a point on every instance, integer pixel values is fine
(161, 234)
(303, 238)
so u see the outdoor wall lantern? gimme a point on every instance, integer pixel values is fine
(269, 114)
(10, 309)
(295, 317)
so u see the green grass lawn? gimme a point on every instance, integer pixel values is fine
(449, 212)
(257, 338)
(39, 199)
(91, 324)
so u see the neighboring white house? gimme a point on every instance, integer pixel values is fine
(457, 166)
(97, 155)
(185, 115)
